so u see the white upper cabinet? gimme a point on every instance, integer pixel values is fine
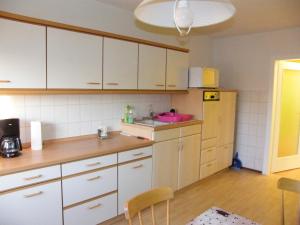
(177, 70)
(74, 60)
(152, 68)
(120, 64)
(22, 55)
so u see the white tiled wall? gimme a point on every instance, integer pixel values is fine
(251, 128)
(73, 115)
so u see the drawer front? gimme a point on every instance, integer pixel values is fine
(39, 205)
(133, 178)
(134, 154)
(209, 143)
(166, 134)
(88, 164)
(208, 169)
(93, 212)
(83, 187)
(190, 130)
(29, 177)
(208, 155)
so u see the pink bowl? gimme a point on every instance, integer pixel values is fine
(173, 117)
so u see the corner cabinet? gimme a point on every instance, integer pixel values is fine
(152, 68)
(120, 64)
(22, 55)
(177, 70)
(37, 205)
(74, 60)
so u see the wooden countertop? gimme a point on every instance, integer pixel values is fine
(56, 152)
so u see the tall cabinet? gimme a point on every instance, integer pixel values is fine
(225, 135)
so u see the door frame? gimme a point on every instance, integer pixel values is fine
(269, 143)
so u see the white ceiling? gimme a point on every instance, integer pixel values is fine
(252, 16)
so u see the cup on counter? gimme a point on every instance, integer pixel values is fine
(102, 132)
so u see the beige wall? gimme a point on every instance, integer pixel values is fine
(247, 63)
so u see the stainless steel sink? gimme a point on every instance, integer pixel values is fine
(150, 123)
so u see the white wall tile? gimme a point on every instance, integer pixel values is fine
(73, 115)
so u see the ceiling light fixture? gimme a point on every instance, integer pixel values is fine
(184, 14)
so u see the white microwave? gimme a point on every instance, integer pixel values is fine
(203, 77)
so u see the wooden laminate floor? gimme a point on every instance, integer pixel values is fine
(244, 192)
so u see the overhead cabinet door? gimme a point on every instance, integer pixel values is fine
(152, 68)
(22, 55)
(74, 60)
(177, 70)
(120, 64)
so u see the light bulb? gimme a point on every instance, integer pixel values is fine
(183, 17)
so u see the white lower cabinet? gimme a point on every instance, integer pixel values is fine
(89, 185)
(93, 212)
(32, 206)
(133, 178)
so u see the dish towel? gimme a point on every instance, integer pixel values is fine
(217, 216)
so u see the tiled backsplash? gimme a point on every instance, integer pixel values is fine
(251, 128)
(74, 115)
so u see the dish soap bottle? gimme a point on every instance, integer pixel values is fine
(130, 115)
(126, 111)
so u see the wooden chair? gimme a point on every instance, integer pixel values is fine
(286, 184)
(136, 205)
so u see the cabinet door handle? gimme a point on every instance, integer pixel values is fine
(33, 194)
(160, 85)
(138, 166)
(95, 206)
(209, 165)
(171, 85)
(113, 84)
(33, 178)
(94, 178)
(5, 81)
(138, 154)
(93, 164)
(93, 83)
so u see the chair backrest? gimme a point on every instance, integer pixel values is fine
(290, 185)
(136, 205)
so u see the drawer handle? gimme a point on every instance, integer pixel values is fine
(95, 206)
(33, 194)
(94, 178)
(171, 85)
(33, 178)
(113, 84)
(93, 164)
(209, 165)
(160, 85)
(93, 83)
(210, 150)
(138, 154)
(138, 166)
(5, 81)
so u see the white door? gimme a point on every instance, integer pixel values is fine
(286, 117)
(177, 70)
(22, 55)
(152, 68)
(120, 64)
(74, 60)
(133, 179)
(32, 206)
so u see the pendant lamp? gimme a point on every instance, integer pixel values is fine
(184, 14)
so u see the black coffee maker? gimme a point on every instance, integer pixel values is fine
(10, 142)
